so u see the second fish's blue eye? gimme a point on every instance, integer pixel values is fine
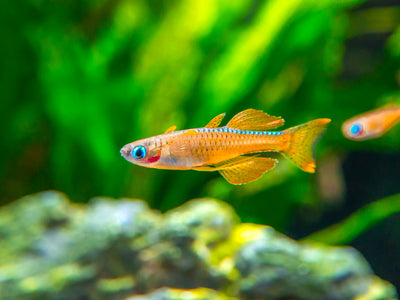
(356, 129)
(139, 152)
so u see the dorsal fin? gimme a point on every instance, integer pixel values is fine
(172, 128)
(251, 119)
(215, 121)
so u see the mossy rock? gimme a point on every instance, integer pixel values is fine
(116, 249)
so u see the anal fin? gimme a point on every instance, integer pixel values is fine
(247, 170)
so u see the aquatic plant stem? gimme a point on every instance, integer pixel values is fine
(366, 217)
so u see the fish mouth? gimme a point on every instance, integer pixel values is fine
(123, 151)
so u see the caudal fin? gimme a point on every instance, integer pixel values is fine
(302, 142)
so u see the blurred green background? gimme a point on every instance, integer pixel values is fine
(80, 79)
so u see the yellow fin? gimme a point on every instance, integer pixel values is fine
(303, 139)
(172, 128)
(247, 170)
(251, 119)
(215, 121)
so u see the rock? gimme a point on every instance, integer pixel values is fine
(275, 267)
(115, 249)
(173, 294)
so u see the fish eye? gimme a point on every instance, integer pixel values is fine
(139, 152)
(356, 129)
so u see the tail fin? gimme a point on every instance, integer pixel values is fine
(303, 139)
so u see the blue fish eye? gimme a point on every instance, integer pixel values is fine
(356, 129)
(139, 152)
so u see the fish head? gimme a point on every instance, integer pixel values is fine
(361, 128)
(145, 152)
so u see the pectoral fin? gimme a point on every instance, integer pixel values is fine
(172, 128)
(251, 119)
(247, 170)
(225, 164)
(215, 121)
(177, 146)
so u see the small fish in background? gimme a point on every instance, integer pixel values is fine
(234, 150)
(371, 124)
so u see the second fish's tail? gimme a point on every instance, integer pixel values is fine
(302, 141)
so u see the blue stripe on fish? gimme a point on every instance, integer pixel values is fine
(238, 131)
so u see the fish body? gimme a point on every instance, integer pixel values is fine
(371, 124)
(234, 150)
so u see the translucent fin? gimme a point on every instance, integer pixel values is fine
(247, 170)
(171, 129)
(215, 121)
(225, 164)
(303, 139)
(251, 119)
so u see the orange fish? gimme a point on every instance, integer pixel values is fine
(234, 150)
(371, 124)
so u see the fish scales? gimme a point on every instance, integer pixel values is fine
(212, 145)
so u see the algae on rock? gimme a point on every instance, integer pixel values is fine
(114, 249)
